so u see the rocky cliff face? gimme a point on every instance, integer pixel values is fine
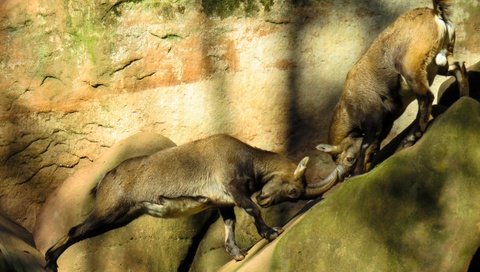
(77, 76)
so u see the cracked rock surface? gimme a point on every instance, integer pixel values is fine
(78, 76)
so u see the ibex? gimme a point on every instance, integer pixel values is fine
(219, 171)
(66, 206)
(400, 65)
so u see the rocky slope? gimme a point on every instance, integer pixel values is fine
(414, 212)
(417, 211)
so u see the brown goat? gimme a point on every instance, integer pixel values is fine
(219, 171)
(399, 66)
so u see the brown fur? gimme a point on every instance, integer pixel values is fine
(398, 67)
(219, 171)
(70, 202)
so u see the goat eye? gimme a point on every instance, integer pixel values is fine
(350, 159)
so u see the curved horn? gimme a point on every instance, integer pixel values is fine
(302, 166)
(317, 189)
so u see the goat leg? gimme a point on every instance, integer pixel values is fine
(95, 224)
(228, 216)
(421, 121)
(242, 200)
(368, 147)
(460, 73)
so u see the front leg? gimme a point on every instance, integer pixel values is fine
(370, 153)
(416, 72)
(242, 199)
(368, 147)
(228, 216)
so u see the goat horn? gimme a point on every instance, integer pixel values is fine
(317, 189)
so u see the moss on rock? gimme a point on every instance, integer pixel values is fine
(227, 8)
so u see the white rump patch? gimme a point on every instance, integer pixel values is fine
(441, 58)
(447, 33)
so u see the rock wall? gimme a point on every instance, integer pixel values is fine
(79, 75)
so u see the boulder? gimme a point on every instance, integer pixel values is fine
(417, 211)
(146, 244)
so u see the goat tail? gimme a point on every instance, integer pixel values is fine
(442, 9)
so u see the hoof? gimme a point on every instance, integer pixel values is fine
(236, 253)
(408, 141)
(240, 257)
(272, 233)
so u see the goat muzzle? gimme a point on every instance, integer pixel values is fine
(264, 201)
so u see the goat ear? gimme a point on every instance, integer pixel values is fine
(333, 149)
(301, 167)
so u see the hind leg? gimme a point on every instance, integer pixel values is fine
(417, 80)
(421, 121)
(96, 223)
(459, 71)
